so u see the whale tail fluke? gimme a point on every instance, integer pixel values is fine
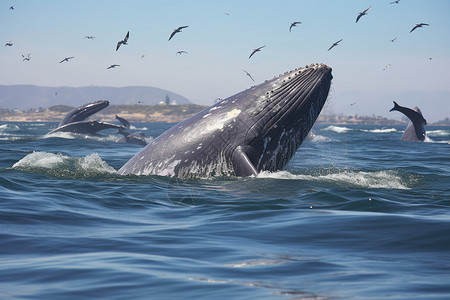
(396, 106)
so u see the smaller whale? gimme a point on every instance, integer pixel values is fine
(74, 119)
(137, 138)
(415, 130)
(86, 127)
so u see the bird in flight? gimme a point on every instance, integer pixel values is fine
(248, 74)
(181, 52)
(419, 25)
(293, 25)
(26, 58)
(89, 37)
(123, 42)
(334, 44)
(9, 44)
(175, 31)
(66, 59)
(387, 66)
(11, 8)
(395, 2)
(256, 50)
(363, 13)
(112, 66)
(393, 40)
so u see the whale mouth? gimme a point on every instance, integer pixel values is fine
(83, 112)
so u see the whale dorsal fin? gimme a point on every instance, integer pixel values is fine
(242, 164)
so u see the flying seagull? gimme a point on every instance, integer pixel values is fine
(89, 37)
(419, 25)
(256, 50)
(124, 41)
(175, 31)
(395, 2)
(248, 74)
(393, 40)
(293, 25)
(112, 66)
(363, 13)
(181, 52)
(387, 66)
(9, 44)
(334, 44)
(66, 59)
(11, 8)
(26, 58)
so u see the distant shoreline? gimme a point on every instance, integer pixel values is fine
(172, 114)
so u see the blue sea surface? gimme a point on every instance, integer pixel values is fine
(356, 214)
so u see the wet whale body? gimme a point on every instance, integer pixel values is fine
(74, 121)
(256, 130)
(415, 130)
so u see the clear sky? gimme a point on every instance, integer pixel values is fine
(220, 37)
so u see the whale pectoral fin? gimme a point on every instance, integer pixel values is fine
(242, 164)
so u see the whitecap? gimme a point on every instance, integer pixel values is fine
(440, 132)
(91, 163)
(378, 179)
(337, 129)
(383, 130)
(318, 138)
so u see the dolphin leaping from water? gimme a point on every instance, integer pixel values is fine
(256, 130)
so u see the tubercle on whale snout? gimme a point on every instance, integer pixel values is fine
(297, 71)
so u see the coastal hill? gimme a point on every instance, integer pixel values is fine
(22, 97)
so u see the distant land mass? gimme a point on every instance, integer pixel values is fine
(172, 114)
(24, 97)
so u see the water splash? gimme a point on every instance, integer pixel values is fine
(64, 166)
(337, 129)
(388, 179)
(382, 130)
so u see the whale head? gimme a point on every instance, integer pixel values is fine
(282, 112)
(83, 112)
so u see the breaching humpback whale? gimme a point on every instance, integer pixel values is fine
(74, 119)
(256, 130)
(415, 130)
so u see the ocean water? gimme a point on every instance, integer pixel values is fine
(356, 214)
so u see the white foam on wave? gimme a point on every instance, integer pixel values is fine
(318, 138)
(337, 129)
(383, 130)
(440, 132)
(46, 160)
(378, 179)
(9, 127)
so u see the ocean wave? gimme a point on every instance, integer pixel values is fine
(337, 129)
(64, 166)
(9, 127)
(317, 138)
(382, 130)
(438, 133)
(379, 179)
